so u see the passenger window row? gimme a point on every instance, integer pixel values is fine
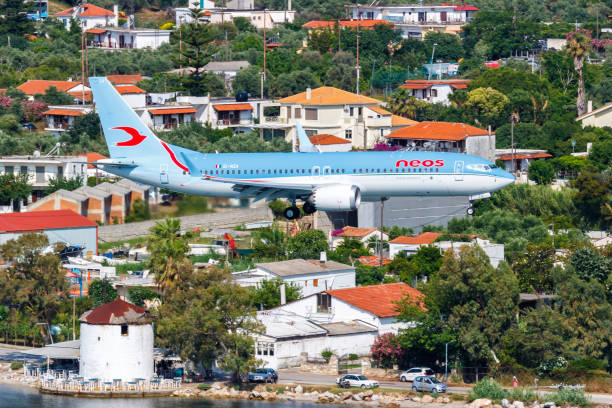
(325, 171)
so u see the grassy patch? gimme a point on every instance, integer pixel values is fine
(570, 397)
(104, 246)
(16, 365)
(124, 269)
(456, 397)
(204, 386)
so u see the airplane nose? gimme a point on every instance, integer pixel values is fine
(504, 177)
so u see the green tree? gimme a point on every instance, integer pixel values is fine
(53, 96)
(601, 154)
(307, 244)
(34, 281)
(479, 301)
(267, 294)
(541, 171)
(168, 253)
(138, 295)
(397, 231)
(592, 193)
(195, 49)
(14, 20)
(578, 47)
(589, 264)
(534, 269)
(448, 46)
(14, 187)
(64, 183)
(248, 80)
(101, 292)
(348, 251)
(368, 275)
(427, 260)
(210, 318)
(270, 243)
(486, 105)
(244, 25)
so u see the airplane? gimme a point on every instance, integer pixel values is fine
(329, 181)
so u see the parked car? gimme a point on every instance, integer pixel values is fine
(428, 384)
(410, 375)
(354, 380)
(28, 126)
(265, 375)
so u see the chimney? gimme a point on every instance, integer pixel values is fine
(116, 13)
(308, 93)
(589, 145)
(289, 5)
(282, 294)
(589, 106)
(323, 257)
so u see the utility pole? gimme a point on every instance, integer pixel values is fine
(264, 45)
(83, 64)
(358, 23)
(73, 317)
(512, 118)
(380, 247)
(433, 50)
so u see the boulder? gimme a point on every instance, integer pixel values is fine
(374, 397)
(505, 403)
(416, 399)
(428, 399)
(518, 404)
(346, 395)
(217, 385)
(392, 405)
(256, 395)
(356, 397)
(299, 389)
(442, 400)
(549, 404)
(368, 393)
(481, 403)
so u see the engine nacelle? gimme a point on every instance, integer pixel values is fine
(337, 197)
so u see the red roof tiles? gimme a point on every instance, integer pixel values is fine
(173, 111)
(437, 131)
(524, 156)
(233, 107)
(349, 231)
(63, 112)
(368, 24)
(124, 79)
(88, 10)
(373, 260)
(116, 312)
(425, 238)
(325, 139)
(42, 220)
(380, 300)
(424, 84)
(130, 89)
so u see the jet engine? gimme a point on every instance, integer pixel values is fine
(336, 197)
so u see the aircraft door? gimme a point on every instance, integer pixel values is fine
(459, 170)
(163, 174)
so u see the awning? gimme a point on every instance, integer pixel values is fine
(233, 107)
(96, 31)
(63, 112)
(66, 350)
(173, 111)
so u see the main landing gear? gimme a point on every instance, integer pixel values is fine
(292, 213)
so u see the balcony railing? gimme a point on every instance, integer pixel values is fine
(114, 46)
(230, 122)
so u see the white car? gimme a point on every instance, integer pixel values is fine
(354, 380)
(410, 375)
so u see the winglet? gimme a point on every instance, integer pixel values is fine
(305, 143)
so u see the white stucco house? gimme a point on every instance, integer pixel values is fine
(89, 16)
(434, 91)
(311, 276)
(600, 117)
(118, 38)
(373, 305)
(410, 245)
(289, 336)
(116, 342)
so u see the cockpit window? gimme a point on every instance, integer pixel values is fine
(493, 166)
(478, 167)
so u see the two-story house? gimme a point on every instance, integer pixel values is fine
(119, 38)
(417, 19)
(328, 110)
(61, 118)
(434, 91)
(88, 16)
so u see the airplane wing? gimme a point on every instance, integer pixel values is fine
(265, 190)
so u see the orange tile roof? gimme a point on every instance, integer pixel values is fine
(124, 79)
(368, 24)
(40, 86)
(380, 110)
(355, 232)
(327, 140)
(63, 112)
(171, 111)
(96, 31)
(79, 95)
(328, 95)
(373, 260)
(3, 91)
(524, 156)
(233, 107)
(425, 238)
(437, 131)
(88, 10)
(424, 84)
(92, 157)
(130, 89)
(380, 300)
(397, 120)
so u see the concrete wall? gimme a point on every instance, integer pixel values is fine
(599, 119)
(482, 146)
(325, 280)
(106, 354)
(84, 236)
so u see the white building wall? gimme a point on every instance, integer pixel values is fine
(325, 280)
(136, 100)
(481, 146)
(106, 354)
(85, 236)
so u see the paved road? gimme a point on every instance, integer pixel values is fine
(296, 377)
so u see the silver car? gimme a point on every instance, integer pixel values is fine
(428, 384)
(410, 375)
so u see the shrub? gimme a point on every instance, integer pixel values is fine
(523, 394)
(204, 386)
(386, 350)
(326, 354)
(353, 357)
(280, 391)
(571, 397)
(16, 365)
(549, 365)
(488, 388)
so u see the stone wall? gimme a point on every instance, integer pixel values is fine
(319, 367)
(222, 219)
(370, 371)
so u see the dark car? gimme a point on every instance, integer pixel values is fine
(266, 375)
(28, 126)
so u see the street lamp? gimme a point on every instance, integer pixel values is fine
(431, 63)
(446, 362)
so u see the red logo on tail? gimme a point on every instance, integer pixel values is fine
(136, 139)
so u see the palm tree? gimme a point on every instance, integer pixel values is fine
(578, 47)
(168, 252)
(402, 104)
